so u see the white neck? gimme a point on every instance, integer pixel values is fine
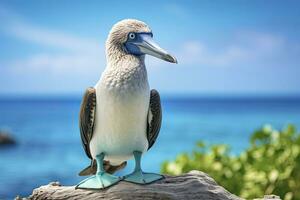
(124, 71)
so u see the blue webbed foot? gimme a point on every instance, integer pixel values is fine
(101, 179)
(138, 176)
(142, 177)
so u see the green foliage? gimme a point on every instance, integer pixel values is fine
(270, 165)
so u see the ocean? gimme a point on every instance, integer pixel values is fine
(49, 147)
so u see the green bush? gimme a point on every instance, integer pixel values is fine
(270, 165)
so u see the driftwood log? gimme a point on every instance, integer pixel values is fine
(193, 185)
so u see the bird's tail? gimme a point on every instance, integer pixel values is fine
(92, 168)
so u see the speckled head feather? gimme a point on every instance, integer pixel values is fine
(118, 36)
(120, 30)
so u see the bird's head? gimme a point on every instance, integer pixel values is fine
(134, 37)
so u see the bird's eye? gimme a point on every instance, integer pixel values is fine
(131, 36)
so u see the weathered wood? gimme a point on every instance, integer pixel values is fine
(193, 185)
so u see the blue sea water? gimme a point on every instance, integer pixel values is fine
(49, 147)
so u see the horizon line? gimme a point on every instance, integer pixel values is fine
(166, 96)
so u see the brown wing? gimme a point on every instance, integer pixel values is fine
(154, 118)
(87, 119)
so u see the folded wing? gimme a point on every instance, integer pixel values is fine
(154, 118)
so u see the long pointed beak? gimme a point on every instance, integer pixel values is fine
(148, 46)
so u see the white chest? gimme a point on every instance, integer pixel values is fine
(121, 119)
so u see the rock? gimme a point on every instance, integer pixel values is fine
(269, 197)
(6, 139)
(193, 185)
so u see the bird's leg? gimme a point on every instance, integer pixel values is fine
(101, 179)
(138, 176)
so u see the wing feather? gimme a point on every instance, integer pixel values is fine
(87, 119)
(154, 117)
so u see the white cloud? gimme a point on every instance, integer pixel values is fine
(244, 47)
(58, 64)
(80, 54)
(52, 38)
(17, 26)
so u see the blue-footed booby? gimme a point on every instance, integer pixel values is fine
(120, 117)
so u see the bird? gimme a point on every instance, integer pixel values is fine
(120, 117)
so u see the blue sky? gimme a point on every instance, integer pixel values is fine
(223, 47)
